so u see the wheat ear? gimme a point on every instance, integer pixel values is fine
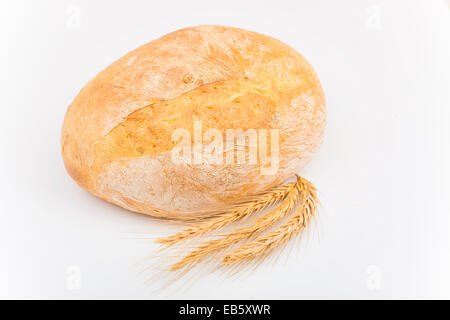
(262, 247)
(237, 212)
(261, 224)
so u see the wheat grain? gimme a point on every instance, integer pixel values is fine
(262, 247)
(261, 224)
(239, 211)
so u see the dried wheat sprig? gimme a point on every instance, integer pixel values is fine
(262, 247)
(261, 224)
(237, 212)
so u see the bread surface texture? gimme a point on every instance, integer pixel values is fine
(117, 136)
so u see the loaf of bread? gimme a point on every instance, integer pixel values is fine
(117, 138)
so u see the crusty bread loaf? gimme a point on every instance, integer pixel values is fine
(117, 133)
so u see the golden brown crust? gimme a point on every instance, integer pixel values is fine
(117, 132)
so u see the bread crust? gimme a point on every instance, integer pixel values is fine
(116, 137)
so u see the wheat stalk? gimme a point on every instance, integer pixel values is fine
(261, 224)
(239, 211)
(262, 247)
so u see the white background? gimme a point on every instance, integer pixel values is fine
(382, 172)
